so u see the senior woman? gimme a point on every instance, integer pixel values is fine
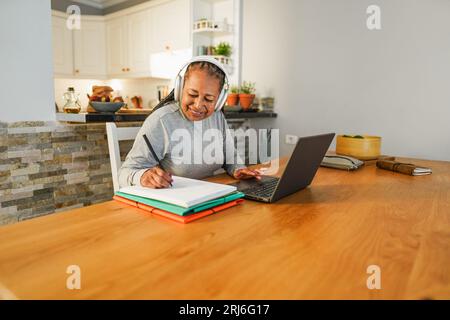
(197, 99)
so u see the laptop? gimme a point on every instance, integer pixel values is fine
(299, 173)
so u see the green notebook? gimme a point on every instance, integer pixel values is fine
(181, 211)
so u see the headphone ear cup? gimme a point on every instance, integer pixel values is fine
(177, 89)
(222, 99)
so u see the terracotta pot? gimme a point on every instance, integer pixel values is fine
(232, 99)
(246, 100)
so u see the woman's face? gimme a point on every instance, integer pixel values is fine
(200, 94)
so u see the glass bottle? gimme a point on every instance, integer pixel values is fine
(72, 103)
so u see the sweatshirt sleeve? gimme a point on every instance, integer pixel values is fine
(233, 160)
(139, 159)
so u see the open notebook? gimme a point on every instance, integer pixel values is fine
(184, 192)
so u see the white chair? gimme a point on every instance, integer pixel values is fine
(115, 135)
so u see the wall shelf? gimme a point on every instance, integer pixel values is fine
(217, 21)
(214, 28)
(213, 31)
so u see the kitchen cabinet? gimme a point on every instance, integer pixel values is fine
(127, 44)
(80, 52)
(62, 48)
(171, 44)
(128, 40)
(139, 35)
(171, 26)
(90, 50)
(116, 45)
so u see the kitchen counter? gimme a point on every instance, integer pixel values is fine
(48, 167)
(127, 117)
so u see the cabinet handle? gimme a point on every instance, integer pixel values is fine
(128, 69)
(123, 70)
(77, 71)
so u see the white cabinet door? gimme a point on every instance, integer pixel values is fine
(128, 42)
(116, 44)
(62, 48)
(138, 43)
(171, 26)
(90, 49)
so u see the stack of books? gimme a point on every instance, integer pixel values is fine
(186, 201)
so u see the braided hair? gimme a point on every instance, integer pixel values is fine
(211, 69)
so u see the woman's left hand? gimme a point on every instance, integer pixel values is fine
(246, 173)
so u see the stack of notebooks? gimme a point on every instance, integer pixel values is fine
(187, 200)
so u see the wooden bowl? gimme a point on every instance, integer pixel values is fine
(368, 148)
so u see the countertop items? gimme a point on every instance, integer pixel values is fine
(72, 104)
(137, 103)
(106, 107)
(102, 100)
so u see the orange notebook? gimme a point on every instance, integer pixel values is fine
(175, 217)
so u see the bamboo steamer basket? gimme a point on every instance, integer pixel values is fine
(368, 148)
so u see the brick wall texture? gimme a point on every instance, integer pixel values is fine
(48, 167)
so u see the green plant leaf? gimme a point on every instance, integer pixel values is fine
(234, 89)
(223, 49)
(248, 87)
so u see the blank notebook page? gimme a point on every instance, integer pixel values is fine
(184, 192)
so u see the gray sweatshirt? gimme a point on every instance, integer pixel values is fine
(181, 145)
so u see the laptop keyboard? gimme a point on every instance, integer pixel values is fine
(263, 190)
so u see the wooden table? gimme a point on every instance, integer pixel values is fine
(317, 243)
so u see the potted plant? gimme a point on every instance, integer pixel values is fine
(223, 49)
(233, 96)
(247, 95)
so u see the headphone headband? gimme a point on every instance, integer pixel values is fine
(179, 80)
(205, 59)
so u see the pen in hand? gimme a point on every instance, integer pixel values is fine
(154, 154)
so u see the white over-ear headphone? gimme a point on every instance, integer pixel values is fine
(179, 80)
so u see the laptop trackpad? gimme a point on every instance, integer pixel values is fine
(243, 185)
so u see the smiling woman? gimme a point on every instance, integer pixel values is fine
(193, 107)
(202, 86)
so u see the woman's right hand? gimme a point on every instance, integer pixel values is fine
(156, 178)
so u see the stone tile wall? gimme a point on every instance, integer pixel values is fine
(48, 167)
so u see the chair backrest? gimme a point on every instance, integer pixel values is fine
(115, 135)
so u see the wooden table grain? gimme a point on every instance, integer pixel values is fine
(315, 244)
